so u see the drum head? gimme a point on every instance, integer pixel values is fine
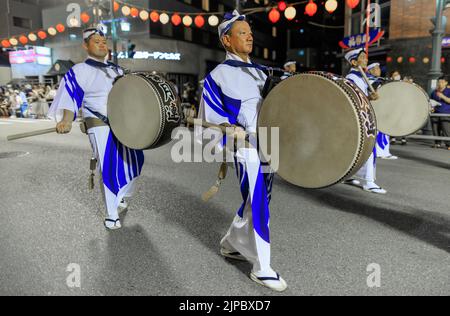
(321, 136)
(402, 109)
(134, 112)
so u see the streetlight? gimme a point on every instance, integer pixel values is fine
(440, 23)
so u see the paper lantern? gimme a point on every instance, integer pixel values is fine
(274, 16)
(213, 20)
(389, 59)
(176, 19)
(126, 10)
(352, 3)
(32, 37)
(154, 16)
(23, 40)
(42, 35)
(116, 6)
(290, 13)
(311, 8)
(400, 60)
(331, 6)
(13, 42)
(6, 43)
(144, 15)
(187, 21)
(426, 60)
(199, 21)
(134, 12)
(282, 6)
(85, 17)
(164, 18)
(412, 60)
(60, 28)
(52, 31)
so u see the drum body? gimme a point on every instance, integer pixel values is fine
(143, 110)
(327, 128)
(402, 109)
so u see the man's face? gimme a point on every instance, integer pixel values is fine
(442, 84)
(361, 61)
(97, 47)
(375, 71)
(240, 38)
(291, 68)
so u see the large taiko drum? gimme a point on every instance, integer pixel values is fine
(327, 128)
(402, 108)
(143, 110)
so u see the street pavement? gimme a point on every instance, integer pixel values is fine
(323, 241)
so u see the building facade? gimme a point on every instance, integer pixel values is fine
(407, 44)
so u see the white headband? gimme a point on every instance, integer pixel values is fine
(228, 22)
(353, 54)
(92, 31)
(374, 65)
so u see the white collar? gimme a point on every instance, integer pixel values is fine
(231, 56)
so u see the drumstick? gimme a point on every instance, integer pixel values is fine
(31, 134)
(367, 80)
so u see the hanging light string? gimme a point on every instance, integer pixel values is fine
(145, 14)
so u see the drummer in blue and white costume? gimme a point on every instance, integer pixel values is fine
(86, 86)
(358, 58)
(232, 96)
(383, 141)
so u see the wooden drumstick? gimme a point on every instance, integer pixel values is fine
(31, 134)
(363, 73)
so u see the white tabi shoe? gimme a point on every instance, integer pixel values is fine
(353, 182)
(229, 254)
(390, 157)
(373, 188)
(274, 283)
(112, 224)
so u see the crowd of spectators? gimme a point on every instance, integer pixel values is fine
(26, 101)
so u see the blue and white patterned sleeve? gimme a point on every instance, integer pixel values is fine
(70, 94)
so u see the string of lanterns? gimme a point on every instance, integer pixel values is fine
(412, 60)
(178, 18)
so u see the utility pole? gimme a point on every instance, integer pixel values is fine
(114, 33)
(440, 23)
(238, 5)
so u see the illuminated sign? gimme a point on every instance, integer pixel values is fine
(446, 42)
(153, 55)
(37, 55)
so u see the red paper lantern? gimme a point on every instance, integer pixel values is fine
(311, 8)
(282, 6)
(154, 16)
(116, 6)
(412, 60)
(274, 16)
(42, 35)
(176, 19)
(60, 28)
(389, 59)
(85, 17)
(352, 3)
(443, 60)
(23, 40)
(6, 44)
(134, 12)
(199, 21)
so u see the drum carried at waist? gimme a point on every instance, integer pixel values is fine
(143, 110)
(402, 109)
(327, 128)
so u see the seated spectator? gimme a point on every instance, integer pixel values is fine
(441, 125)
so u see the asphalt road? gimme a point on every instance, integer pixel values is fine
(323, 240)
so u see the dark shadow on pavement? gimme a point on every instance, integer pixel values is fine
(429, 227)
(134, 266)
